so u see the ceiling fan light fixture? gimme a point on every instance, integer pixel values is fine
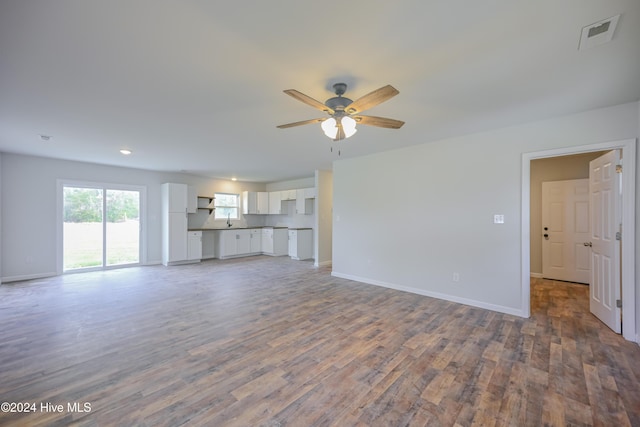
(349, 126)
(329, 128)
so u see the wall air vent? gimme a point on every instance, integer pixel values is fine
(598, 33)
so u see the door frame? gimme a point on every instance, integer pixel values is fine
(628, 147)
(60, 184)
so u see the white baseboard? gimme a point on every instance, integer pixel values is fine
(8, 279)
(438, 295)
(536, 275)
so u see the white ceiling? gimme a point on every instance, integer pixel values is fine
(197, 86)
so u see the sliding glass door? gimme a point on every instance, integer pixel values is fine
(101, 227)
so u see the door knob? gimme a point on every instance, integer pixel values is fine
(587, 244)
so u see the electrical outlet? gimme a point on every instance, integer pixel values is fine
(498, 219)
(456, 277)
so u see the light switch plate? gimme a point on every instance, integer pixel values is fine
(498, 219)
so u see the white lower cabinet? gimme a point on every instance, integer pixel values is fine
(255, 240)
(194, 245)
(233, 243)
(274, 241)
(237, 242)
(174, 238)
(301, 243)
(267, 241)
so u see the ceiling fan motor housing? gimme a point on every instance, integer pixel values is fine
(338, 103)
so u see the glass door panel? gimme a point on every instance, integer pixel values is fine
(122, 227)
(82, 228)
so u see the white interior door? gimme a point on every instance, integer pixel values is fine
(604, 187)
(565, 229)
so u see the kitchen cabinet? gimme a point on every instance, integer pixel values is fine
(192, 200)
(288, 194)
(301, 243)
(274, 241)
(174, 237)
(275, 202)
(255, 202)
(232, 243)
(194, 245)
(263, 202)
(249, 202)
(267, 241)
(174, 223)
(304, 204)
(255, 240)
(310, 193)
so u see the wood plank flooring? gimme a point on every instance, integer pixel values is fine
(273, 342)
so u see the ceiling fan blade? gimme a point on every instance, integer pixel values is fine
(308, 100)
(381, 122)
(304, 122)
(372, 99)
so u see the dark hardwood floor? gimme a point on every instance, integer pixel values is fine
(273, 342)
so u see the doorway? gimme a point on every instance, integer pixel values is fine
(628, 219)
(101, 226)
(565, 228)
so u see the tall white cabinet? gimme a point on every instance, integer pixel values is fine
(176, 205)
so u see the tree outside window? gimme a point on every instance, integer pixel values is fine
(227, 206)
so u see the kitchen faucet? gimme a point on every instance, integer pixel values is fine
(229, 220)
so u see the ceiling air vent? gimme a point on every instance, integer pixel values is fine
(598, 33)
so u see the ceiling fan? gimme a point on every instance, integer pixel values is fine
(344, 113)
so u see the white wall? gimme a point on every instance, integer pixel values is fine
(410, 218)
(1, 237)
(28, 207)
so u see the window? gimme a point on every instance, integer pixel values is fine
(100, 226)
(227, 206)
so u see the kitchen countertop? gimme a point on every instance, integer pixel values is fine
(241, 228)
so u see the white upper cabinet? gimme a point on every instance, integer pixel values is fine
(174, 197)
(304, 204)
(263, 202)
(192, 200)
(275, 205)
(255, 202)
(310, 193)
(249, 202)
(179, 198)
(288, 194)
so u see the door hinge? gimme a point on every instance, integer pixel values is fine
(618, 168)
(619, 303)
(618, 235)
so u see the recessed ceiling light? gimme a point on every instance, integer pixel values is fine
(125, 151)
